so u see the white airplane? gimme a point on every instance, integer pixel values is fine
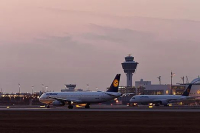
(161, 99)
(70, 98)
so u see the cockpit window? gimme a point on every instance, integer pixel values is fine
(133, 97)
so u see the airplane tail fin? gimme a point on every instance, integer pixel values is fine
(187, 91)
(115, 84)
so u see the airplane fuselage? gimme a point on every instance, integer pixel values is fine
(79, 97)
(157, 98)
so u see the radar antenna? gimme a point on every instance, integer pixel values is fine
(159, 78)
(183, 78)
(187, 81)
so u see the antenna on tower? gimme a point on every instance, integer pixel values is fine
(187, 81)
(159, 78)
(183, 78)
(88, 87)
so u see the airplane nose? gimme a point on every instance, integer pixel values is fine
(40, 98)
(131, 100)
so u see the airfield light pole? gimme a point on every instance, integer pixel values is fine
(19, 92)
(43, 88)
(46, 88)
(172, 74)
(19, 88)
(159, 78)
(32, 89)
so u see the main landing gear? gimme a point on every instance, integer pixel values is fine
(87, 106)
(166, 105)
(48, 106)
(157, 104)
(70, 105)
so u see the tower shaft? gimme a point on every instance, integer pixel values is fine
(129, 76)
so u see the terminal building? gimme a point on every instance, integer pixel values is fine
(20, 98)
(159, 89)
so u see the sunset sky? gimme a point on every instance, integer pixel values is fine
(85, 41)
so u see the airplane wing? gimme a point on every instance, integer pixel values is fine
(165, 100)
(127, 94)
(193, 97)
(159, 100)
(67, 100)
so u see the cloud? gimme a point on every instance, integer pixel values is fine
(116, 35)
(80, 12)
(94, 48)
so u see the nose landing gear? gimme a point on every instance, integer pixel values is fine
(87, 106)
(70, 105)
(48, 106)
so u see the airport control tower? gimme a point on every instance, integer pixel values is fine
(129, 67)
(69, 88)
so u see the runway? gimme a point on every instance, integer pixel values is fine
(106, 119)
(102, 108)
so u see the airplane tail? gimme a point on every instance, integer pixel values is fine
(115, 84)
(187, 91)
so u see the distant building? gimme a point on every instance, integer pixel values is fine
(79, 90)
(69, 88)
(20, 99)
(125, 89)
(142, 83)
(157, 90)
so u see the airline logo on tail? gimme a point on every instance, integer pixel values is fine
(115, 83)
(187, 91)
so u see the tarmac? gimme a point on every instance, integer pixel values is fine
(115, 108)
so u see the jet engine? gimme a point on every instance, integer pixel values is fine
(164, 102)
(58, 103)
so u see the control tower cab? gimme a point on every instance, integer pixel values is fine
(69, 88)
(129, 67)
